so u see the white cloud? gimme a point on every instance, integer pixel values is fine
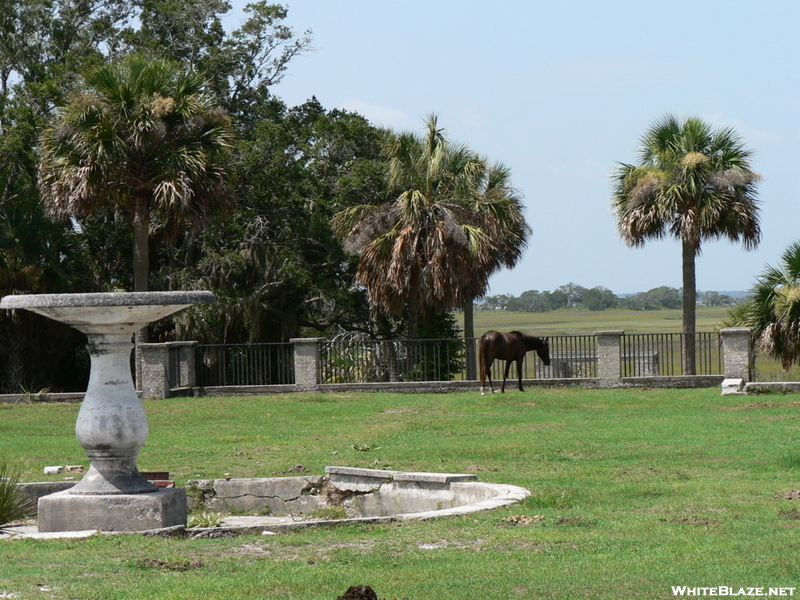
(383, 116)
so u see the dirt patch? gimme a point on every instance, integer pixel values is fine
(696, 521)
(522, 519)
(312, 554)
(360, 592)
(791, 495)
(169, 565)
(294, 469)
(478, 469)
(753, 406)
(474, 545)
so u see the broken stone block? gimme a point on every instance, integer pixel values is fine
(733, 387)
(55, 470)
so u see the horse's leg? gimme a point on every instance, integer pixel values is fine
(519, 373)
(489, 374)
(505, 376)
(482, 369)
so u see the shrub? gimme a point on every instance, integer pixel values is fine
(13, 503)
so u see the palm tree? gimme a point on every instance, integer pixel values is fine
(693, 183)
(772, 309)
(143, 136)
(452, 222)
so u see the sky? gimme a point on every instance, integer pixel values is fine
(561, 92)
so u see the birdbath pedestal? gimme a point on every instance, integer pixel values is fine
(112, 425)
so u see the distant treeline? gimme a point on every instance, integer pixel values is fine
(598, 298)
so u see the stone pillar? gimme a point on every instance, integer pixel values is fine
(737, 358)
(184, 363)
(155, 371)
(608, 361)
(306, 362)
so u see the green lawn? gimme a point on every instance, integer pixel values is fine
(634, 491)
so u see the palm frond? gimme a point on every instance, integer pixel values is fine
(141, 124)
(693, 182)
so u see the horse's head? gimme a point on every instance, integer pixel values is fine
(544, 351)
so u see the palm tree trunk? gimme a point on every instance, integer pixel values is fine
(141, 268)
(412, 332)
(392, 362)
(469, 340)
(689, 308)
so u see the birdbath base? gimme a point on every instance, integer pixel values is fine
(63, 511)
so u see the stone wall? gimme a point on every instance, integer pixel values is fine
(159, 370)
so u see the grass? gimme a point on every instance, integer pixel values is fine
(577, 321)
(634, 491)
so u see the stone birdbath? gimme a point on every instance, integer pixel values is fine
(112, 425)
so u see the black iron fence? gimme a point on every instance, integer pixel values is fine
(366, 361)
(661, 354)
(244, 364)
(571, 356)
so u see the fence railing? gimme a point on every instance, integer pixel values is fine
(571, 356)
(360, 361)
(661, 354)
(367, 361)
(244, 364)
(306, 363)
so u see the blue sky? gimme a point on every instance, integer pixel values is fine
(561, 92)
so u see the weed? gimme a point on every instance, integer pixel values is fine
(13, 504)
(365, 447)
(328, 513)
(32, 396)
(205, 519)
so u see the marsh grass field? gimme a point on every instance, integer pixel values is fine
(633, 492)
(577, 321)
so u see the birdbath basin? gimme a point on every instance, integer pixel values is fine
(112, 425)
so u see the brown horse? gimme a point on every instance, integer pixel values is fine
(509, 347)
